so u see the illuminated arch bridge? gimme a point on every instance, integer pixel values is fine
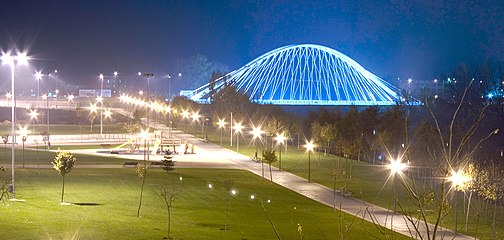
(306, 75)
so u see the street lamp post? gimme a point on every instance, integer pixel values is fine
(148, 76)
(231, 130)
(222, 125)
(396, 166)
(459, 181)
(23, 131)
(47, 114)
(185, 115)
(169, 88)
(195, 118)
(38, 76)
(33, 116)
(20, 58)
(238, 128)
(309, 148)
(280, 138)
(256, 133)
(101, 105)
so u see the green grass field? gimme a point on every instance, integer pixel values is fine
(367, 182)
(371, 183)
(108, 200)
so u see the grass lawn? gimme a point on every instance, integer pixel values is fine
(371, 183)
(108, 201)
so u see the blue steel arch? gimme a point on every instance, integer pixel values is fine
(306, 74)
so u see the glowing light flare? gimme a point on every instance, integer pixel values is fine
(101, 76)
(238, 127)
(233, 192)
(23, 131)
(93, 108)
(99, 99)
(44, 97)
(185, 114)
(70, 97)
(256, 132)
(107, 113)
(310, 146)
(33, 114)
(396, 166)
(7, 58)
(280, 138)
(140, 92)
(8, 95)
(459, 179)
(21, 58)
(144, 133)
(221, 123)
(115, 73)
(123, 98)
(195, 116)
(167, 109)
(38, 75)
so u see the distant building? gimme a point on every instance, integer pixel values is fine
(115, 85)
(94, 93)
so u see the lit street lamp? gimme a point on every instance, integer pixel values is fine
(222, 125)
(195, 118)
(280, 138)
(107, 113)
(92, 110)
(309, 148)
(23, 132)
(20, 59)
(459, 181)
(256, 133)
(38, 76)
(185, 115)
(238, 128)
(144, 134)
(396, 166)
(70, 98)
(45, 98)
(101, 103)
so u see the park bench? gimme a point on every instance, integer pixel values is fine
(130, 164)
(254, 159)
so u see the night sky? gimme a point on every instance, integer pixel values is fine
(416, 39)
